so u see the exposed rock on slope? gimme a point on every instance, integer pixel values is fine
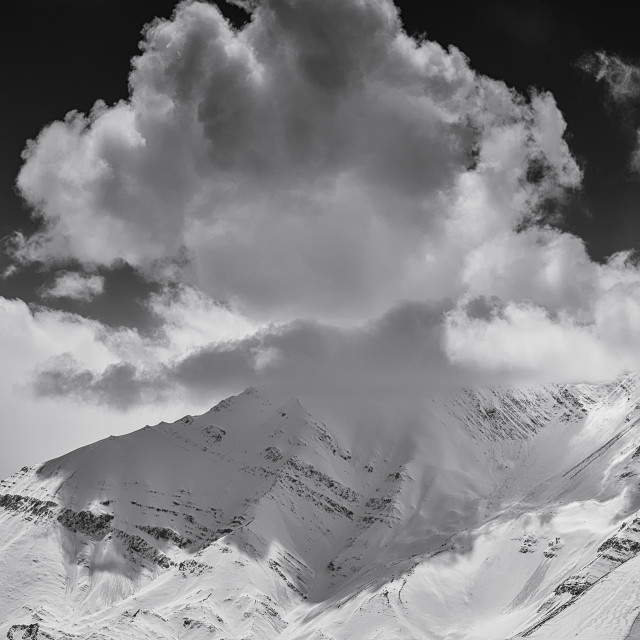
(508, 513)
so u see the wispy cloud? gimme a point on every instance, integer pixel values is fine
(622, 78)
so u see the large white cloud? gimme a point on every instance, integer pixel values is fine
(565, 318)
(308, 165)
(349, 210)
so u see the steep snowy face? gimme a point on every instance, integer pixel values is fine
(503, 513)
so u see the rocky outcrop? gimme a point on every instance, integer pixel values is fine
(138, 550)
(613, 552)
(23, 632)
(165, 534)
(89, 524)
(27, 505)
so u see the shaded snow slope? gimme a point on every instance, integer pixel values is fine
(507, 513)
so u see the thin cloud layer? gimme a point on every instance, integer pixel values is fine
(622, 81)
(346, 209)
(622, 78)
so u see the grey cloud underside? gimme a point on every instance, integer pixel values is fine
(401, 352)
(120, 386)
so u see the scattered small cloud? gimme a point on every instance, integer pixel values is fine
(9, 271)
(76, 286)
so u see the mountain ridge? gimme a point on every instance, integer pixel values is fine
(255, 520)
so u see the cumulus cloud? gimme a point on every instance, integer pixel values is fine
(525, 340)
(77, 286)
(412, 350)
(189, 318)
(591, 336)
(307, 165)
(348, 210)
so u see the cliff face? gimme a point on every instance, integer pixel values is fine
(507, 511)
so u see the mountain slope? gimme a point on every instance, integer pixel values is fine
(504, 513)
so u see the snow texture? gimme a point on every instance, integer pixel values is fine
(511, 513)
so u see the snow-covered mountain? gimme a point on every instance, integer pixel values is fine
(507, 513)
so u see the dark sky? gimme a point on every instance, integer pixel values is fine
(65, 54)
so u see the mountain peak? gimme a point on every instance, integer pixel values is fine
(253, 520)
(250, 391)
